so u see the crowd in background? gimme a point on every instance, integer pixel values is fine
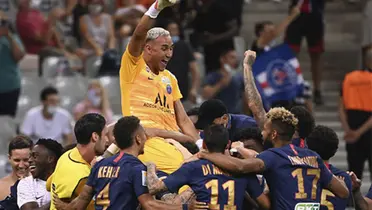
(201, 30)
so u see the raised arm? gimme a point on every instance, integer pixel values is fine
(251, 92)
(235, 165)
(138, 38)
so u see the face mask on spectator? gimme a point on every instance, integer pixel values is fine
(52, 109)
(96, 100)
(95, 9)
(175, 39)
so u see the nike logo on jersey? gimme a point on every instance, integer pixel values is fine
(150, 78)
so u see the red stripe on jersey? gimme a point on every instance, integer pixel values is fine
(326, 164)
(293, 149)
(119, 157)
(302, 143)
(264, 85)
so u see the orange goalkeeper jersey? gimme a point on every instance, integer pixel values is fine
(146, 95)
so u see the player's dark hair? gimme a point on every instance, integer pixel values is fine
(259, 27)
(192, 112)
(46, 92)
(124, 131)
(249, 133)
(54, 148)
(306, 121)
(87, 125)
(285, 130)
(216, 138)
(19, 142)
(324, 141)
(191, 147)
(68, 147)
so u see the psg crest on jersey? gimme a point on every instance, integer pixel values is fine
(169, 89)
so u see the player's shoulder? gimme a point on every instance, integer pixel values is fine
(338, 172)
(169, 74)
(196, 163)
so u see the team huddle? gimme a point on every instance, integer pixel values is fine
(150, 165)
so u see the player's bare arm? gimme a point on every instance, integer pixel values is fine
(186, 197)
(154, 184)
(180, 137)
(34, 206)
(184, 121)
(360, 202)
(148, 202)
(338, 187)
(251, 92)
(138, 39)
(234, 165)
(83, 200)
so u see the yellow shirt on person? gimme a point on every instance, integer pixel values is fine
(69, 177)
(150, 97)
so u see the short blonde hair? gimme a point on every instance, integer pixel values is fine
(155, 33)
(283, 115)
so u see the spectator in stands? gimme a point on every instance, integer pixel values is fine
(226, 84)
(97, 29)
(19, 151)
(31, 191)
(11, 52)
(127, 16)
(309, 24)
(356, 117)
(367, 30)
(216, 23)
(38, 34)
(266, 32)
(182, 63)
(96, 102)
(48, 120)
(80, 9)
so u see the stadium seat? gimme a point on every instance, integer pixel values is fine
(29, 63)
(68, 103)
(7, 131)
(24, 104)
(92, 65)
(112, 87)
(75, 87)
(31, 86)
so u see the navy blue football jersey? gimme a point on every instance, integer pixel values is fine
(328, 200)
(299, 142)
(295, 177)
(117, 182)
(214, 186)
(369, 194)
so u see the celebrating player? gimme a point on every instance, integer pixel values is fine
(151, 92)
(118, 182)
(295, 176)
(209, 183)
(324, 141)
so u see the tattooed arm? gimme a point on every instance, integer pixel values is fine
(83, 200)
(251, 92)
(184, 198)
(154, 184)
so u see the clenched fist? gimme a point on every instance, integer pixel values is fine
(249, 57)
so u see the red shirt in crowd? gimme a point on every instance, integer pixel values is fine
(30, 24)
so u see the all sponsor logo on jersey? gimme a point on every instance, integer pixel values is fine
(307, 206)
